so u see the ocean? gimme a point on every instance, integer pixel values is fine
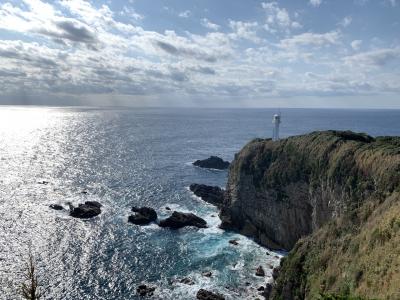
(124, 157)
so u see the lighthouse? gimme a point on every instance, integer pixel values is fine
(276, 120)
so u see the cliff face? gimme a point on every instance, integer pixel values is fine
(329, 184)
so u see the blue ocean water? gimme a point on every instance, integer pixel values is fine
(126, 157)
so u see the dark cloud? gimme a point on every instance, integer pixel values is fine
(204, 70)
(18, 53)
(72, 31)
(12, 73)
(186, 52)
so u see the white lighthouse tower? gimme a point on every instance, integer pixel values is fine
(276, 120)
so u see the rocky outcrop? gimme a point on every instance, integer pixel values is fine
(56, 206)
(207, 295)
(211, 194)
(142, 216)
(213, 162)
(328, 197)
(87, 210)
(145, 290)
(280, 191)
(178, 220)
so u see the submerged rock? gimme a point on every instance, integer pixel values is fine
(144, 290)
(178, 220)
(43, 182)
(207, 274)
(87, 210)
(56, 206)
(187, 281)
(211, 194)
(142, 216)
(213, 162)
(233, 242)
(207, 295)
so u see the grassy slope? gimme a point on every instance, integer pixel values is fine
(358, 253)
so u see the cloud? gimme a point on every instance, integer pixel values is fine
(311, 39)
(315, 3)
(185, 14)
(393, 3)
(374, 58)
(186, 51)
(207, 24)
(278, 18)
(346, 21)
(130, 12)
(70, 30)
(356, 44)
(244, 30)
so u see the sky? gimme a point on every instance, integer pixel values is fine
(201, 53)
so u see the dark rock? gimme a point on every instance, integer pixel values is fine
(167, 208)
(234, 242)
(213, 162)
(260, 289)
(178, 220)
(94, 203)
(207, 295)
(43, 182)
(260, 271)
(207, 274)
(267, 291)
(84, 192)
(56, 206)
(87, 210)
(144, 290)
(143, 216)
(210, 194)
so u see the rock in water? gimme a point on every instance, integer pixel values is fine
(211, 194)
(207, 295)
(178, 220)
(87, 210)
(260, 271)
(233, 242)
(144, 290)
(56, 206)
(143, 216)
(213, 162)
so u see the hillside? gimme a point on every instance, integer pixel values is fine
(332, 198)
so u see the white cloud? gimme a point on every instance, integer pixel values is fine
(130, 12)
(311, 39)
(316, 3)
(356, 44)
(346, 21)
(185, 14)
(207, 24)
(244, 30)
(278, 18)
(393, 2)
(374, 58)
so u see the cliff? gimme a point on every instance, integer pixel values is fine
(330, 197)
